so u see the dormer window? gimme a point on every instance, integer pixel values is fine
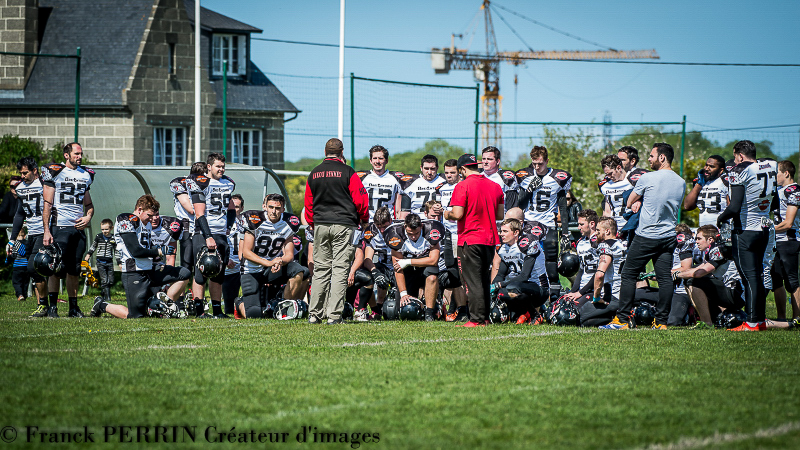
(231, 48)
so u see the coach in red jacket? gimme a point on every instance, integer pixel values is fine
(336, 203)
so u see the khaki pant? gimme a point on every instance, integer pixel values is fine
(333, 256)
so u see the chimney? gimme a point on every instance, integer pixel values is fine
(18, 33)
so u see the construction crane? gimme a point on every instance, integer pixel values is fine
(486, 68)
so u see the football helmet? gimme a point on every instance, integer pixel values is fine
(730, 319)
(209, 262)
(564, 313)
(48, 260)
(644, 314)
(291, 309)
(347, 312)
(568, 264)
(390, 309)
(413, 310)
(499, 312)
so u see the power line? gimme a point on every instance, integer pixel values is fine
(478, 55)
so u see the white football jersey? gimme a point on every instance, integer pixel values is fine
(543, 204)
(183, 186)
(420, 191)
(759, 180)
(514, 257)
(432, 234)
(382, 190)
(444, 193)
(31, 196)
(616, 250)
(167, 232)
(788, 196)
(130, 223)
(684, 249)
(236, 234)
(71, 186)
(269, 238)
(587, 252)
(712, 200)
(217, 196)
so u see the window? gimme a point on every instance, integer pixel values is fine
(169, 146)
(246, 147)
(171, 57)
(231, 48)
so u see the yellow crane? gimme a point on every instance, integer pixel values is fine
(486, 68)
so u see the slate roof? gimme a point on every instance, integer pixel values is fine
(109, 33)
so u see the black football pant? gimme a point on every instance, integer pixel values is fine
(230, 290)
(642, 251)
(785, 267)
(550, 248)
(529, 296)
(748, 254)
(598, 314)
(140, 286)
(475, 262)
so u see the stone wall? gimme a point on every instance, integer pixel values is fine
(270, 125)
(18, 33)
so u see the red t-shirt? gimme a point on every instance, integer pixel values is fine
(479, 196)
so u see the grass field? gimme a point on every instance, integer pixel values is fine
(414, 385)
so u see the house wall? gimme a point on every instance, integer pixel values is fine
(18, 34)
(271, 126)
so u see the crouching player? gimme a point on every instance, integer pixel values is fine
(141, 278)
(268, 257)
(521, 280)
(705, 283)
(607, 277)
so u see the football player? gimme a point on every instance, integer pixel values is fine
(706, 285)
(542, 190)
(630, 158)
(787, 228)
(29, 208)
(214, 215)
(449, 278)
(521, 280)
(752, 188)
(184, 210)
(382, 185)
(607, 278)
(682, 259)
(415, 258)
(614, 186)
(377, 256)
(142, 278)
(65, 194)
(490, 160)
(443, 195)
(165, 232)
(710, 191)
(268, 257)
(233, 280)
(586, 247)
(418, 189)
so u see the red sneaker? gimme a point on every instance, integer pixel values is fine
(236, 314)
(761, 326)
(472, 324)
(524, 319)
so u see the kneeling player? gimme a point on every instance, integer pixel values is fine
(377, 257)
(521, 280)
(268, 257)
(141, 279)
(607, 279)
(706, 286)
(415, 257)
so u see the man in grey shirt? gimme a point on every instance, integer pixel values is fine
(661, 193)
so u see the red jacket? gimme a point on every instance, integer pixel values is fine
(335, 195)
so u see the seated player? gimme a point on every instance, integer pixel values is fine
(233, 277)
(377, 256)
(141, 277)
(268, 257)
(521, 280)
(607, 280)
(706, 285)
(449, 277)
(360, 283)
(415, 258)
(586, 247)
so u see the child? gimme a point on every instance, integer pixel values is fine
(20, 277)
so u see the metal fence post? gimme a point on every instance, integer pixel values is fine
(77, 91)
(352, 122)
(225, 109)
(477, 114)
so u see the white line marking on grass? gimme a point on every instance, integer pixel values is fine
(132, 330)
(116, 350)
(688, 443)
(440, 340)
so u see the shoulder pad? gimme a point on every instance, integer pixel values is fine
(200, 180)
(603, 181)
(528, 243)
(725, 179)
(127, 223)
(434, 231)
(607, 248)
(593, 241)
(792, 194)
(439, 186)
(225, 177)
(370, 232)
(681, 238)
(635, 174)
(361, 174)
(397, 175)
(253, 219)
(535, 229)
(508, 175)
(394, 236)
(715, 254)
(173, 225)
(561, 176)
(178, 185)
(90, 172)
(523, 173)
(292, 220)
(406, 180)
(50, 171)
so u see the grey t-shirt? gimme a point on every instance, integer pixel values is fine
(662, 192)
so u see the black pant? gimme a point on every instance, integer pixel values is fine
(198, 242)
(105, 270)
(230, 290)
(475, 262)
(529, 296)
(141, 285)
(598, 314)
(748, 254)
(550, 248)
(20, 278)
(641, 251)
(187, 248)
(256, 284)
(32, 248)
(72, 242)
(785, 267)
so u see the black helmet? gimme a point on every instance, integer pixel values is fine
(644, 314)
(412, 310)
(209, 262)
(730, 319)
(347, 312)
(564, 312)
(568, 264)
(48, 260)
(499, 312)
(390, 309)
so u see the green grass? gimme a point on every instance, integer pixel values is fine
(418, 385)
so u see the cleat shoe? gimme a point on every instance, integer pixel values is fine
(452, 317)
(76, 312)
(206, 316)
(658, 327)
(222, 316)
(52, 312)
(95, 312)
(524, 319)
(429, 317)
(236, 315)
(761, 326)
(374, 315)
(796, 322)
(615, 325)
(362, 315)
(41, 311)
(21, 298)
(700, 325)
(472, 324)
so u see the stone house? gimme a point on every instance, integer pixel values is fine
(136, 82)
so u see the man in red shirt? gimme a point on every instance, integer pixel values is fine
(477, 203)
